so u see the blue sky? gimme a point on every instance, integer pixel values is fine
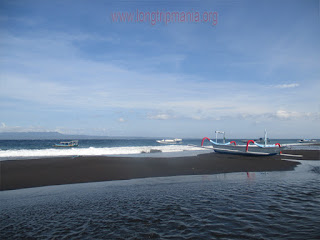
(65, 66)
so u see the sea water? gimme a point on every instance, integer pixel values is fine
(26, 149)
(261, 205)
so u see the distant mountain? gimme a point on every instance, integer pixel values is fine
(56, 136)
(43, 135)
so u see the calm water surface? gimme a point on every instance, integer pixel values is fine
(274, 205)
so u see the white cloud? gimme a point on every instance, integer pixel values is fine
(161, 116)
(282, 114)
(290, 115)
(121, 120)
(6, 128)
(292, 85)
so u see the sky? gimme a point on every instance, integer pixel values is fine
(69, 66)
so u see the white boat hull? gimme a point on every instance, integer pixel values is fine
(170, 141)
(252, 150)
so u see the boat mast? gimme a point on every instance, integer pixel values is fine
(265, 137)
(224, 136)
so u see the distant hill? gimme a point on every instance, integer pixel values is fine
(55, 136)
(43, 135)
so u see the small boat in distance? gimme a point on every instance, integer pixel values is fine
(73, 143)
(255, 150)
(170, 141)
(306, 141)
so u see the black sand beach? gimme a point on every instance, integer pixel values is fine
(307, 154)
(17, 174)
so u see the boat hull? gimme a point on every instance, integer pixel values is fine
(69, 144)
(170, 141)
(252, 150)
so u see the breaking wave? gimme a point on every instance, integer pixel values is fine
(91, 151)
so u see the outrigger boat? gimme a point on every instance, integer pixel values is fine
(256, 149)
(73, 143)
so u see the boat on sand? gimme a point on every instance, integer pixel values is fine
(255, 149)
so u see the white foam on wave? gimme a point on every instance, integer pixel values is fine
(91, 151)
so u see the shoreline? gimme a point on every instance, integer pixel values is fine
(18, 174)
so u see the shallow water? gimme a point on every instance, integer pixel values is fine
(274, 205)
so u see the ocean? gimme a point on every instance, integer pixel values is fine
(26, 149)
(262, 205)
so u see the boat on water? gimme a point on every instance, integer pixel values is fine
(255, 150)
(170, 141)
(306, 141)
(73, 143)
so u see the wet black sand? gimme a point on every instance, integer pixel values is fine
(16, 174)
